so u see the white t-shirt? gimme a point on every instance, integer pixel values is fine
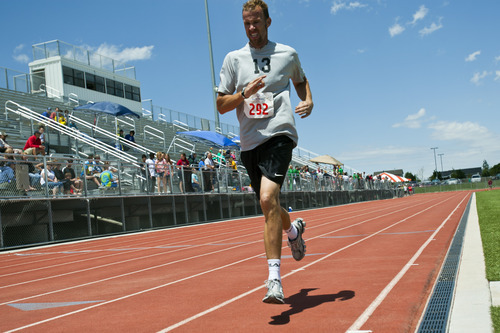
(280, 63)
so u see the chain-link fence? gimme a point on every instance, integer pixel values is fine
(46, 199)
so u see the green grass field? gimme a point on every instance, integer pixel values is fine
(488, 208)
(466, 186)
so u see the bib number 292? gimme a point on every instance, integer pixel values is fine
(259, 109)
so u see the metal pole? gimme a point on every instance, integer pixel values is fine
(435, 160)
(214, 87)
(441, 156)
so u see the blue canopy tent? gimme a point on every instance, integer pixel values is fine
(208, 138)
(111, 108)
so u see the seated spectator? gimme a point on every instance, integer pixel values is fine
(62, 118)
(77, 182)
(69, 185)
(54, 114)
(52, 182)
(88, 170)
(34, 145)
(130, 136)
(107, 177)
(46, 113)
(7, 175)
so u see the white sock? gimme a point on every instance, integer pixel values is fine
(292, 232)
(274, 269)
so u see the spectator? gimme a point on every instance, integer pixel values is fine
(4, 146)
(62, 118)
(49, 179)
(76, 181)
(69, 185)
(195, 181)
(34, 145)
(88, 170)
(46, 113)
(43, 138)
(150, 163)
(184, 174)
(108, 179)
(160, 171)
(208, 173)
(7, 175)
(130, 136)
(169, 171)
(118, 144)
(201, 164)
(54, 114)
(192, 159)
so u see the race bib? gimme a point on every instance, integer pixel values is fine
(260, 105)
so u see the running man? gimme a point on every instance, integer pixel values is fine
(255, 80)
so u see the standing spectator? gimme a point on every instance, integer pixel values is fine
(208, 173)
(169, 171)
(262, 70)
(43, 138)
(192, 159)
(184, 174)
(34, 145)
(150, 163)
(160, 169)
(130, 136)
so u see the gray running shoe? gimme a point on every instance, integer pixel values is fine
(298, 245)
(274, 292)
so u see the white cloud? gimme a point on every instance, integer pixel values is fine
(343, 5)
(396, 29)
(23, 58)
(497, 75)
(473, 56)
(472, 133)
(430, 29)
(477, 77)
(19, 48)
(20, 57)
(497, 58)
(127, 54)
(412, 120)
(420, 14)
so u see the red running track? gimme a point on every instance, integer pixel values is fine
(369, 267)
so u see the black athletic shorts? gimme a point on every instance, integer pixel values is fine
(271, 160)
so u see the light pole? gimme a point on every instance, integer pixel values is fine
(435, 160)
(214, 86)
(441, 156)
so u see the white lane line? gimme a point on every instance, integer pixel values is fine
(218, 268)
(383, 294)
(198, 315)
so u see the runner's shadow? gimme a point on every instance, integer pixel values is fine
(302, 301)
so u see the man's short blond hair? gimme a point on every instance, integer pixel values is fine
(253, 4)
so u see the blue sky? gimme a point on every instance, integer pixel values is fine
(390, 79)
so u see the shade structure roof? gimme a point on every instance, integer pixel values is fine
(111, 108)
(208, 138)
(325, 159)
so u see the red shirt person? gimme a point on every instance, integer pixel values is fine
(33, 145)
